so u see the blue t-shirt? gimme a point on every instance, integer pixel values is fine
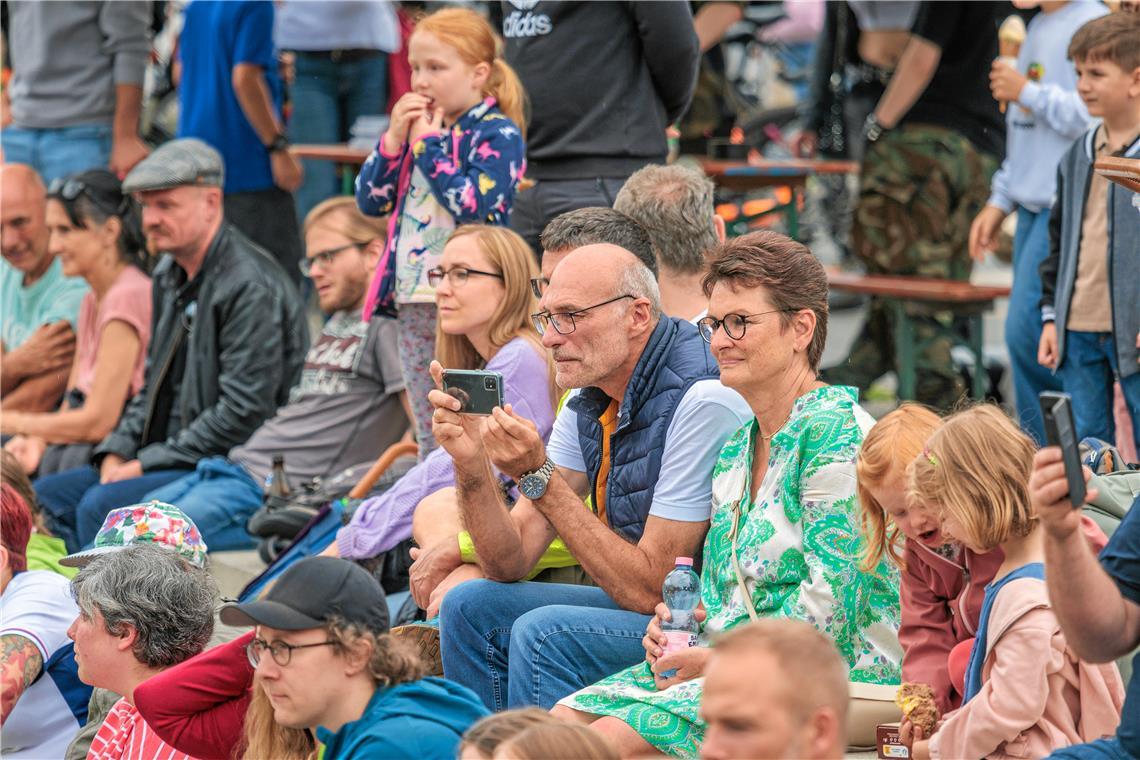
(1121, 560)
(217, 36)
(51, 298)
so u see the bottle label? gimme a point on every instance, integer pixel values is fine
(679, 640)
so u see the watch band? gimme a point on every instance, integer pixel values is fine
(278, 143)
(873, 129)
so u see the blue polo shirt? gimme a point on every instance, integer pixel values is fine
(218, 35)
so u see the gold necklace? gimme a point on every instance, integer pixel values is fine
(768, 438)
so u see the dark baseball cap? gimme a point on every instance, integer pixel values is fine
(312, 591)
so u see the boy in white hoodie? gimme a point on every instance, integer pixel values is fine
(1044, 115)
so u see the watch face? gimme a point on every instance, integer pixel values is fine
(533, 487)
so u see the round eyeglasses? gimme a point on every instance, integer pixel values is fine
(735, 325)
(563, 321)
(281, 652)
(457, 276)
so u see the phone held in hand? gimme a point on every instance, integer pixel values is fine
(479, 391)
(1060, 430)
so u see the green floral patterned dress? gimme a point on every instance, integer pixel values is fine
(798, 548)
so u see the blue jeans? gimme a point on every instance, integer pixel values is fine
(59, 152)
(520, 644)
(1023, 321)
(219, 496)
(1088, 370)
(327, 98)
(76, 504)
(1101, 749)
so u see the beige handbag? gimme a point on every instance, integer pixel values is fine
(869, 704)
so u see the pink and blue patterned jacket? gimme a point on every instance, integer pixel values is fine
(473, 168)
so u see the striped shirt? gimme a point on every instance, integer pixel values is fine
(124, 735)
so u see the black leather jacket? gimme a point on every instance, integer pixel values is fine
(245, 337)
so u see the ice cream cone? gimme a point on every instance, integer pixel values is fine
(1011, 34)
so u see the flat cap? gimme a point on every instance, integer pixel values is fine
(187, 161)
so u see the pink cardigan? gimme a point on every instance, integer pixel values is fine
(1036, 695)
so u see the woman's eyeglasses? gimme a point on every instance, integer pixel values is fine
(563, 321)
(324, 258)
(281, 652)
(735, 325)
(457, 276)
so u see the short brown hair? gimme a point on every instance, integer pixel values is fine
(977, 467)
(793, 277)
(808, 658)
(1114, 38)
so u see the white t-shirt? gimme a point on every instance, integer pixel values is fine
(37, 605)
(706, 417)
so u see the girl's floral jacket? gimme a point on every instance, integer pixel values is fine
(473, 168)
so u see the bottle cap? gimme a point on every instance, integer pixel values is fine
(685, 561)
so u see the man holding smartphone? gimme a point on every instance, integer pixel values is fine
(1096, 602)
(640, 438)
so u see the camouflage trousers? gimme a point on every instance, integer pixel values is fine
(921, 187)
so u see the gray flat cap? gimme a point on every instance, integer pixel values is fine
(187, 161)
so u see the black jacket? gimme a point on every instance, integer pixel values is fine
(603, 79)
(238, 333)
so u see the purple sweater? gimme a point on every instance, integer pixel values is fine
(383, 521)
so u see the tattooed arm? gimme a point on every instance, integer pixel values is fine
(20, 665)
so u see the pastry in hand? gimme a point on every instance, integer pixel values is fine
(916, 700)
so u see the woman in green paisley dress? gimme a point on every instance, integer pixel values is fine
(784, 538)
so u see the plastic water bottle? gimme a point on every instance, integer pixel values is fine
(681, 593)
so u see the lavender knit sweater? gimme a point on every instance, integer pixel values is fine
(385, 520)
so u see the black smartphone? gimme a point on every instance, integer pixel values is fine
(1060, 430)
(479, 391)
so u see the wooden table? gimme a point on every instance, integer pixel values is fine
(969, 300)
(793, 173)
(348, 159)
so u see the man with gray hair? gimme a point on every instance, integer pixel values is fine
(675, 206)
(591, 226)
(141, 610)
(640, 437)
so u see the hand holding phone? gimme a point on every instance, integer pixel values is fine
(1060, 430)
(479, 391)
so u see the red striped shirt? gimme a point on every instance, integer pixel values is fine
(124, 735)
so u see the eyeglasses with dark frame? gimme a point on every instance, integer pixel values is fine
(281, 652)
(324, 258)
(538, 285)
(457, 276)
(563, 321)
(735, 325)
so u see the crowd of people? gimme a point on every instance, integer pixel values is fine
(188, 327)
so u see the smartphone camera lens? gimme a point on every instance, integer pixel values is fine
(489, 383)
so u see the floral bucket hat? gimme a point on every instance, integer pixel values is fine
(151, 523)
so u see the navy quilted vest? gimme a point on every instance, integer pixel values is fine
(675, 358)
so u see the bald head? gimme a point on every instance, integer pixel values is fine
(605, 304)
(593, 270)
(21, 180)
(23, 231)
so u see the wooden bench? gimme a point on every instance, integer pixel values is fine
(965, 299)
